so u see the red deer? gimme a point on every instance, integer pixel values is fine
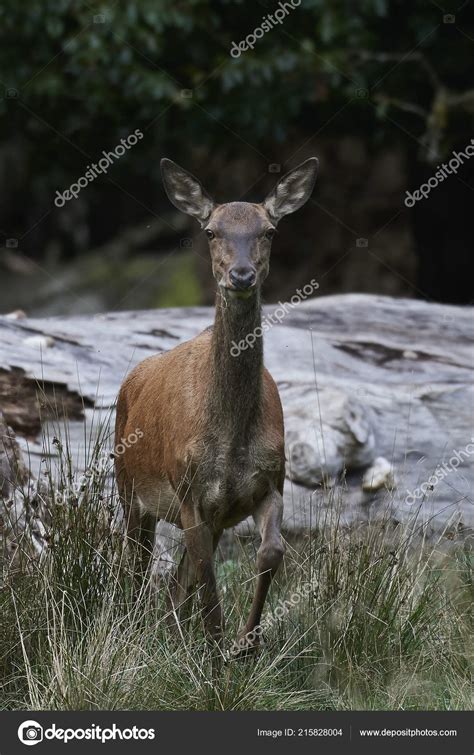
(212, 451)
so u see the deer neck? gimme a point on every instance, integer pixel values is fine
(236, 374)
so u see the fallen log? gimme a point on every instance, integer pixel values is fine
(377, 395)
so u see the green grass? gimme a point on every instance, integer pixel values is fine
(385, 625)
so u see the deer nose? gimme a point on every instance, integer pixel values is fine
(242, 277)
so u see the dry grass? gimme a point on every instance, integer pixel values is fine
(386, 623)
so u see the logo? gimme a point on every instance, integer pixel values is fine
(30, 733)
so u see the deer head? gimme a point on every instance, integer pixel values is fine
(240, 233)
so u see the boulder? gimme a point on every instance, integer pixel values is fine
(377, 395)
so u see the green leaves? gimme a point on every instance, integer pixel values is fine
(90, 70)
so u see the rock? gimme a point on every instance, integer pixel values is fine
(361, 377)
(40, 341)
(23, 516)
(379, 475)
(340, 437)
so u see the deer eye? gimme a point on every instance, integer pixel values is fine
(270, 234)
(210, 234)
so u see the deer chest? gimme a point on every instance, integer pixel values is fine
(234, 483)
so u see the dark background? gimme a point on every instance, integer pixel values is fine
(238, 729)
(380, 90)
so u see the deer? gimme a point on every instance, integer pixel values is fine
(212, 451)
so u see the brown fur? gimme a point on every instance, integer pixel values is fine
(181, 443)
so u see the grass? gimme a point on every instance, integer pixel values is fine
(385, 623)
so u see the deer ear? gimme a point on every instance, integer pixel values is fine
(293, 190)
(185, 191)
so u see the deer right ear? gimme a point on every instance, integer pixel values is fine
(186, 192)
(292, 190)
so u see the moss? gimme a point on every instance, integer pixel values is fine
(182, 287)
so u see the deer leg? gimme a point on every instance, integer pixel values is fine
(131, 516)
(182, 593)
(146, 541)
(201, 542)
(141, 536)
(268, 517)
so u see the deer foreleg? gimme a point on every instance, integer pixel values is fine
(201, 542)
(268, 518)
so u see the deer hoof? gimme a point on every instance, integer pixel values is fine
(246, 645)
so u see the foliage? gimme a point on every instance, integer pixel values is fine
(78, 76)
(93, 82)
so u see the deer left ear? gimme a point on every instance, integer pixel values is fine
(293, 190)
(185, 191)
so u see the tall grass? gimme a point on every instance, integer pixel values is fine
(386, 623)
